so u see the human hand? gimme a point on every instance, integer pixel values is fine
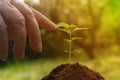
(16, 21)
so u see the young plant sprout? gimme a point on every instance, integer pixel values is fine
(70, 29)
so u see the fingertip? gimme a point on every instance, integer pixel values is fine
(37, 48)
(4, 56)
(19, 55)
(52, 26)
(4, 59)
(56, 26)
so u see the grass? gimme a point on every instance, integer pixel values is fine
(109, 67)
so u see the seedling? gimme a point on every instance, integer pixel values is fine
(70, 29)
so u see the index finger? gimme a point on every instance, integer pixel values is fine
(43, 21)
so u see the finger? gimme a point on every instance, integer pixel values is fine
(43, 21)
(16, 23)
(31, 26)
(19, 36)
(3, 40)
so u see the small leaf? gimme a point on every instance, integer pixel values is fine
(66, 51)
(78, 29)
(67, 40)
(76, 52)
(76, 38)
(72, 26)
(62, 24)
(64, 30)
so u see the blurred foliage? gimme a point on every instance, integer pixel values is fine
(101, 16)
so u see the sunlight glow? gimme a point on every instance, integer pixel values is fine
(34, 1)
(21, 0)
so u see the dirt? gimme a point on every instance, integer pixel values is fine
(73, 72)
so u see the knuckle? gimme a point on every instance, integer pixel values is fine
(21, 21)
(2, 27)
(30, 13)
(18, 24)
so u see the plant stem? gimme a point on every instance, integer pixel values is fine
(70, 47)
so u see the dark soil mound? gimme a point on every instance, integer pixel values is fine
(73, 72)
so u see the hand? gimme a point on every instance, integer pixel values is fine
(16, 21)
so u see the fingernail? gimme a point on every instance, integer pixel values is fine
(38, 47)
(19, 55)
(3, 57)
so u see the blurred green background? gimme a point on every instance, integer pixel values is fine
(99, 48)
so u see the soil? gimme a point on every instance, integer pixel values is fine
(73, 72)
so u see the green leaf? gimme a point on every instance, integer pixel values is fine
(62, 24)
(76, 38)
(66, 51)
(78, 29)
(76, 52)
(72, 26)
(67, 40)
(64, 30)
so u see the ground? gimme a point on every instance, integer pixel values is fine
(35, 70)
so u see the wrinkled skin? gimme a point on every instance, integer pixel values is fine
(17, 20)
